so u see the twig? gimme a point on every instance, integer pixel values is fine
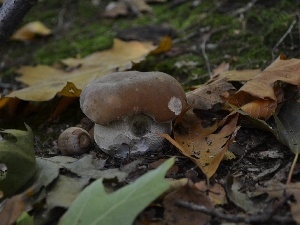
(244, 9)
(11, 14)
(283, 37)
(292, 168)
(253, 219)
(205, 38)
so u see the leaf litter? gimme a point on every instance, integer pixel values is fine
(44, 82)
(213, 136)
(205, 140)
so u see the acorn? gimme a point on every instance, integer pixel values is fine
(74, 141)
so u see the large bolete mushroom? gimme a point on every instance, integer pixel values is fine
(130, 110)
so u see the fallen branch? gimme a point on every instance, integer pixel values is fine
(11, 14)
(252, 219)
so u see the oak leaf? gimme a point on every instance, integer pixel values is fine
(263, 93)
(44, 82)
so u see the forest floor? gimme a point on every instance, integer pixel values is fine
(244, 34)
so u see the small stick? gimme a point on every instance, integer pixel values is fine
(253, 219)
(283, 37)
(245, 9)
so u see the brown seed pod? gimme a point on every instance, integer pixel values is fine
(74, 141)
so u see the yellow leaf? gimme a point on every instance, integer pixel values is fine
(165, 44)
(44, 82)
(70, 90)
(30, 31)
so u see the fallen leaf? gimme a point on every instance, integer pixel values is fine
(64, 191)
(85, 168)
(176, 215)
(258, 123)
(165, 44)
(264, 91)
(239, 75)
(216, 192)
(46, 172)
(209, 95)
(260, 108)
(239, 198)
(14, 207)
(17, 153)
(205, 148)
(95, 206)
(44, 82)
(30, 30)
(220, 69)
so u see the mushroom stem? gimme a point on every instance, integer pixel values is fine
(136, 134)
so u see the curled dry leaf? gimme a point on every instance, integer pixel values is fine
(263, 93)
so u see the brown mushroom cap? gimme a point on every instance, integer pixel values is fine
(117, 95)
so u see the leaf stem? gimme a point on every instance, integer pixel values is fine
(292, 168)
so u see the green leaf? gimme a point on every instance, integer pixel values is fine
(17, 154)
(94, 206)
(25, 219)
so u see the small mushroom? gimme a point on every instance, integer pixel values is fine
(74, 141)
(130, 110)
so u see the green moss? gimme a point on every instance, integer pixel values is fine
(245, 43)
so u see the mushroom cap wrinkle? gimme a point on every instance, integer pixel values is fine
(121, 94)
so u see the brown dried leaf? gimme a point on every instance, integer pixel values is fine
(264, 90)
(239, 75)
(205, 148)
(30, 31)
(216, 192)
(220, 69)
(15, 206)
(209, 95)
(180, 216)
(260, 108)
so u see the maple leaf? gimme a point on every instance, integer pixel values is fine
(44, 82)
